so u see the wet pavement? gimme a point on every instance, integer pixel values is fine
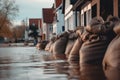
(28, 63)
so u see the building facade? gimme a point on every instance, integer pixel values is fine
(58, 24)
(71, 17)
(95, 8)
(48, 17)
(35, 28)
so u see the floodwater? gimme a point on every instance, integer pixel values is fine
(28, 63)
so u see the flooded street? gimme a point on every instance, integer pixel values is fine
(28, 63)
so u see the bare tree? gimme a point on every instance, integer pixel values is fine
(6, 32)
(18, 32)
(8, 11)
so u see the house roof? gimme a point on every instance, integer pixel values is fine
(48, 15)
(36, 21)
(57, 3)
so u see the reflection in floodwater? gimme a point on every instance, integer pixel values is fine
(92, 72)
(27, 63)
(112, 73)
(74, 71)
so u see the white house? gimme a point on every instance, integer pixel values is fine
(47, 31)
(58, 24)
(48, 17)
(71, 17)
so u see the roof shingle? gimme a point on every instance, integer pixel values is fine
(35, 21)
(48, 15)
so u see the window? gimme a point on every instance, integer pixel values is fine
(71, 22)
(86, 15)
(85, 18)
(63, 28)
(119, 8)
(82, 18)
(94, 10)
(50, 28)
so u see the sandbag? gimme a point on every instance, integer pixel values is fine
(92, 72)
(51, 48)
(72, 35)
(98, 26)
(80, 30)
(74, 71)
(110, 24)
(69, 47)
(49, 45)
(117, 28)
(95, 25)
(47, 48)
(112, 55)
(112, 73)
(92, 51)
(74, 53)
(41, 45)
(60, 46)
(95, 42)
(71, 40)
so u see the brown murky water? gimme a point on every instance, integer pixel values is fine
(27, 63)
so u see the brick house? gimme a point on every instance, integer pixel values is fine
(36, 23)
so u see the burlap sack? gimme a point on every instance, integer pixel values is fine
(47, 48)
(112, 73)
(41, 45)
(49, 45)
(60, 46)
(117, 28)
(71, 40)
(96, 40)
(95, 25)
(51, 48)
(92, 51)
(74, 53)
(92, 72)
(69, 47)
(112, 55)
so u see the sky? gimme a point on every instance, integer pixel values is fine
(31, 9)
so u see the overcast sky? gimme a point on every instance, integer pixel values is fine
(31, 9)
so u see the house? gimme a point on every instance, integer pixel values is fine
(92, 8)
(71, 16)
(48, 17)
(58, 24)
(24, 24)
(35, 26)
